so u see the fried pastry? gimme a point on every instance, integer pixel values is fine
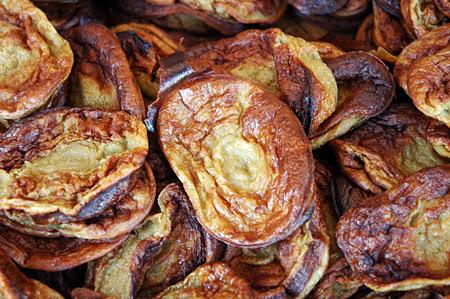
(346, 194)
(386, 149)
(53, 254)
(427, 45)
(390, 6)
(144, 44)
(353, 9)
(241, 154)
(101, 76)
(399, 240)
(428, 81)
(132, 207)
(216, 280)
(58, 164)
(14, 284)
(366, 89)
(421, 16)
(161, 251)
(34, 59)
(293, 266)
(283, 64)
(443, 6)
(226, 17)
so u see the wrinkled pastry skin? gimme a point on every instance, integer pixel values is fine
(399, 240)
(60, 160)
(34, 59)
(241, 155)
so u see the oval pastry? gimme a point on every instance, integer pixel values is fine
(242, 156)
(60, 161)
(34, 59)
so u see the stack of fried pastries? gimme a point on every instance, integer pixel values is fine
(224, 149)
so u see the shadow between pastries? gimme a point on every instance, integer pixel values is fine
(101, 76)
(399, 240)
(386, 149)
(34, 59)
(56, 164)
(241, 154)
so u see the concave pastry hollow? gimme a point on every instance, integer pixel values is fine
(34, 59)
(241, 155)
(60, 161)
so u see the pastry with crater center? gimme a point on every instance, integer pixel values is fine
(240, 152)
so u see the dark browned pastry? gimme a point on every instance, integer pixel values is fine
(427, 45)
(53, 254)
(443, 6)
(101, 76)
(327, 51)
(216, 280)
(342, 24)
(59, 165)
(293, 266)
(294, 26)
(226, 17)
(34, 59)
(285, 65)
(346, 194)
(161, 251)
(399, 240)
(66, 14)
(390, 6)
(14, 284)
(132, 207)
(238, 150)
(84, 293)
(366, 89)
(387, 32)
(144, 45)
(421, 16)
(317, 7)
(182, 251)
(353, 9)
(386, 149)
(339, 281)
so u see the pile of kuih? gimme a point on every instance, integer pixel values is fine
(225, 149)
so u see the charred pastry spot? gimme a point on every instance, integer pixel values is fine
(132, 41)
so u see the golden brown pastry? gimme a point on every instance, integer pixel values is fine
(427, 45)
(34, 59)
(215, 280)
(136, 201)
(144, 45)
(224, 16)
(101, 76)
(241, 154)
(285, 65)
(14, 284)
(428, 85)
(347, 194)
(386, 149)
(366, 89)
(421, 16)
(53, 254)
(84, 293)
(58, 164)
(292, 266)
(399, 240)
